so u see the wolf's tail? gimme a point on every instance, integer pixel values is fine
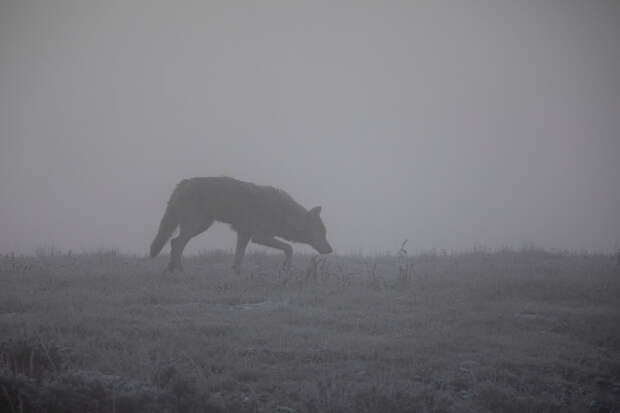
(166, 227)
(168, 222)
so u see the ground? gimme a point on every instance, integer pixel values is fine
(502, 331)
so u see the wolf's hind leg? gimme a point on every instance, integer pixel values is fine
(277, 244)
(177, 244)
(175, 254)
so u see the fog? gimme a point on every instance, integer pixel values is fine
(450, 124)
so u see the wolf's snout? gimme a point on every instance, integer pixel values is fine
(325, 249)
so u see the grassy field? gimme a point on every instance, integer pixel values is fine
(507, 331)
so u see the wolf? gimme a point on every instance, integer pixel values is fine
(256, 212)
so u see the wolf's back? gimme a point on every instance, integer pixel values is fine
(169, 221)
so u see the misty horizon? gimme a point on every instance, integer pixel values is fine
(452, 127)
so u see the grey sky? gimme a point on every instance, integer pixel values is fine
(452, 124)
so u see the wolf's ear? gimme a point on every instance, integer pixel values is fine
(316, 211)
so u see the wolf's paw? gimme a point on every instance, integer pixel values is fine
(287, 264)
(236, 269)
(172, 267)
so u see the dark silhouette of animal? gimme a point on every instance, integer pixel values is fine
(257, 213)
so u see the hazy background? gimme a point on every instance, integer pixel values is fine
(452, 124)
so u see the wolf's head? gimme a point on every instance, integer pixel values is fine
(315, 233)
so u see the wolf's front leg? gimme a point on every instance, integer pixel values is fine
(242, 243)
(277, 244)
